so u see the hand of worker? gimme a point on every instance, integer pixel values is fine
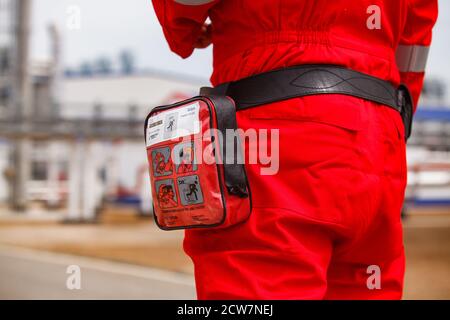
(205, 38)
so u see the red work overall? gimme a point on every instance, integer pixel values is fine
(330, 218)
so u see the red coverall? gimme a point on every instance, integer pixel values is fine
(333, 209)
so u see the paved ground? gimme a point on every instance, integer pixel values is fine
(119, 236)
(427, 245)
(139, 244)
(26, 274)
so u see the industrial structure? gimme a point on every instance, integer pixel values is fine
(63, 149)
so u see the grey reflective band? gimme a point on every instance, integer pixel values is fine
(412, 58)
(193, 2)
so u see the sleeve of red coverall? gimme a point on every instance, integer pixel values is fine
(182, 21)
(412, 52)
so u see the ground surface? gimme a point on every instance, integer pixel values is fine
(27, 274)
(139, 261)
(427, 245)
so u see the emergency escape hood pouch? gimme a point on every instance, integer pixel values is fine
(197, 175)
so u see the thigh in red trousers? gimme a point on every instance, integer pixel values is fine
(328, 220)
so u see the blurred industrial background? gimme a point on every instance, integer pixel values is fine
(77, 79)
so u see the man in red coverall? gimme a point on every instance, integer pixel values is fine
(324, 225)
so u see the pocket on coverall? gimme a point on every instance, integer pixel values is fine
(322, 175)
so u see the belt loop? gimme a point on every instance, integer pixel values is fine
(206, 91)
(220, 90)
(405, 103)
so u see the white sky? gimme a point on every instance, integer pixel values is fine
(108, 26)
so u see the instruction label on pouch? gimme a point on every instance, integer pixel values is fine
(173, 124)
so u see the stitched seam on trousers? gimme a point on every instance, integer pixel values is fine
(337, 256)
(305, 216)
(284, 251)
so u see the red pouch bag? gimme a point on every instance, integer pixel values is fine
(197, 174)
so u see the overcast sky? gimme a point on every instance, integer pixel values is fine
(108, 26)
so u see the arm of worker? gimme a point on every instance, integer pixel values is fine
(412, 52)
(183, 23)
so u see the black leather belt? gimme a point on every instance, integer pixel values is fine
(305, 80)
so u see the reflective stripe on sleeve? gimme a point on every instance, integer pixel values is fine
(412, 58)
(193, 2)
